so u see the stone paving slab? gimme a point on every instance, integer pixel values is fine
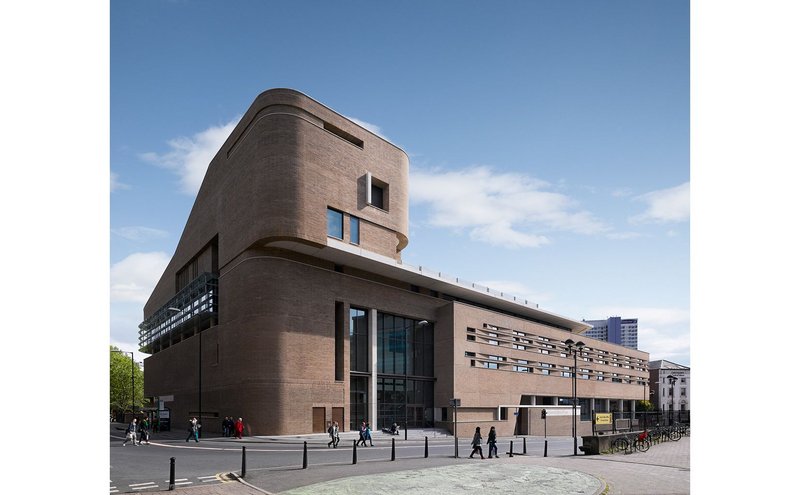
(476, 478)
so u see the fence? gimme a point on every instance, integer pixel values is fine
(647, 419)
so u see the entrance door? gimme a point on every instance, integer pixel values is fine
(318, 420)
(338, 415)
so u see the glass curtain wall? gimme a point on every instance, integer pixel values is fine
(405, 371)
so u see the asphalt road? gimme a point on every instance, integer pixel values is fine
(136, 469)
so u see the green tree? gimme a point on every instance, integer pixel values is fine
(120, 380)
(641, 405)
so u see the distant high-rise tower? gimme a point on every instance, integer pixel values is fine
(615, 330)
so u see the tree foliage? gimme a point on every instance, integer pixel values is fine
(120, 380)
(644, 405)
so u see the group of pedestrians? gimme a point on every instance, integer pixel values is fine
(333, 432)
(231, 428)
(491, 441)
(364, 434)
(138, 433)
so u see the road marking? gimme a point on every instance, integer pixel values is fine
(143, 486)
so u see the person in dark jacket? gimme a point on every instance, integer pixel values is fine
(144, 431)
(491, 441)
(476, 443)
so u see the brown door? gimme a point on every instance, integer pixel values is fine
(318, 420)
(338, 415)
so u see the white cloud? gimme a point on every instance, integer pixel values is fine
(134, 278)
(503, 209)
(370, 127)
(140, 234)
(116, 184)
(189, 157)
(514, 288)
(665, 205)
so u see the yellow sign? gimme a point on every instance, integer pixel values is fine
(602, 418)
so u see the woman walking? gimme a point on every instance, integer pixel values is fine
(476, 443)
(491, 441)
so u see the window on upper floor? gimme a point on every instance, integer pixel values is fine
(355, 230)
(377, 193)
(335, 224)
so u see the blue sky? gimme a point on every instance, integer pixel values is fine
(548, 141)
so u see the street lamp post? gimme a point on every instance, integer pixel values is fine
(574, 351)
(672, 381)
(133, 389)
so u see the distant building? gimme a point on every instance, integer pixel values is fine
(616, 330)
(662, 391)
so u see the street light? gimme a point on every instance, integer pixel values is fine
(133, 389)
(578, 346)
(672, 381)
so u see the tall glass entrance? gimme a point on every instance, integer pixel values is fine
(405, 371)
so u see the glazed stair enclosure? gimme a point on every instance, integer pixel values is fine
(192, 309)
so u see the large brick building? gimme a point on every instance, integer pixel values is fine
(287, 303)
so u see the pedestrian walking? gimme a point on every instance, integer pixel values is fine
(194, 430)
(130, 433)
(491, 441)
(476, 443)
(335, 434)
(238, 428)
(362, 434)
(225, 427)
(368, 435)
(144, 431)
(330, 434)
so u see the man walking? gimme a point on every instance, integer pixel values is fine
(130, 433)
(194, 428)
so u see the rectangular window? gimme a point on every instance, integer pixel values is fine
(503, 413)
(355, 234)
(343, 134)
(335, 224)
(471, 338)
(359, 340)
(377, 196)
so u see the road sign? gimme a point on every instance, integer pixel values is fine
(455, 402)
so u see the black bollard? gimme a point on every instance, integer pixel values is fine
(524, 445)
(171, 473)
(244, 462)
(355, 456)
(511, 449)
(392, 448)
(305, 455)
(545, 448)
(426, 447)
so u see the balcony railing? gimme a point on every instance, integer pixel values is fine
(194, 304)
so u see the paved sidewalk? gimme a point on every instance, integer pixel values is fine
(663, 470)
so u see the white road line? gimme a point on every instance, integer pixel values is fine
(205, 477)
(140, 484)
(143, 486)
